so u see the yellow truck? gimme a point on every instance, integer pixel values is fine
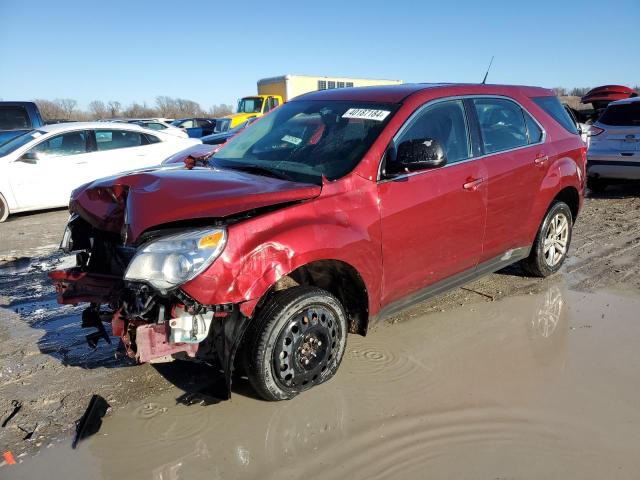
(275, 91)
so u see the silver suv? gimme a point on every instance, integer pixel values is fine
(614, 150)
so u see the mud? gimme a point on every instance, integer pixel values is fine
(510, 377)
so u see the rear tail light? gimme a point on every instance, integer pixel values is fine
(593, 131)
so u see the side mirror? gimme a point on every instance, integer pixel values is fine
(29, 157)
(419, 154)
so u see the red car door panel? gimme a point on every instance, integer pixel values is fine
(432, 220)
(432, 227)
(516, 164)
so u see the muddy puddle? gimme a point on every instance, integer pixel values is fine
(535, 386)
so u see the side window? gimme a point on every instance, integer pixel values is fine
(187, 124)
(502, 124)
(114, 139)
(151, 138)
(267, 105)
(533, 130)
(71, 143)
(553, 107)
(203, 123)
(154, 126)
(445, 122)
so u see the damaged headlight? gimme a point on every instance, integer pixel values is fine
(173, 260)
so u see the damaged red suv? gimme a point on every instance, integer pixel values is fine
(337, 209)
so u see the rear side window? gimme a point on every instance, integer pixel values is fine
(533, 129)
(14, 118)
(114, 139)
(553, 107)
(625, 114)
(502, 124)
(151, 138)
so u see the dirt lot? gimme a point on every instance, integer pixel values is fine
(459, 360)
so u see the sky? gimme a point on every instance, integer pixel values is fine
(215, 51)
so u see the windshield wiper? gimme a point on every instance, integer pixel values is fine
(258, 170)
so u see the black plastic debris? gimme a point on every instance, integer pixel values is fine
(29, 432)
(91, 421)
(17, 405)
(91, 319)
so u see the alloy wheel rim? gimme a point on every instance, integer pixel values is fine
(305, 347)
(556, 239)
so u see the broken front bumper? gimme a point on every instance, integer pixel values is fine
(153, 329)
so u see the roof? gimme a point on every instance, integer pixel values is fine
(397, 93)
(60, 127)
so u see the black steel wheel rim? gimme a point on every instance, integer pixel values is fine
(306, 346)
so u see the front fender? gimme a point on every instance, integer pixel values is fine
(342, 224)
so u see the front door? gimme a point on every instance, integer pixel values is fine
(432, 220)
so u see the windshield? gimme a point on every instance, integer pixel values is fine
(17, 142)
(250, 105)
(221, 125)
(304, 140)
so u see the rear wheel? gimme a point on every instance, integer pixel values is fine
(552, 242)
(296, 341)
(4, 209)
(596, 185)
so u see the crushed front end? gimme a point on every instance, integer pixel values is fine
(136, 288)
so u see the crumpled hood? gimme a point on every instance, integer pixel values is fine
(163, 195)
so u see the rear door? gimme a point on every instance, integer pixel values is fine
(517, 159)
(432, 220)
(118, 150)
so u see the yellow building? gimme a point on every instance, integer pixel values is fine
(290, 86)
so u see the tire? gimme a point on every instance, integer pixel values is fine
(298, 325)
(4, 209)
(546, 256)
(596, 185)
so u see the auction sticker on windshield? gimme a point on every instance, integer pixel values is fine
(366, 114)
(292, 139)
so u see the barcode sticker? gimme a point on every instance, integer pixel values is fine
(291, 139)
(366, 114)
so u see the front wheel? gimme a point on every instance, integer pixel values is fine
(551, 245)
(296, 342)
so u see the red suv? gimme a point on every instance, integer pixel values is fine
(337, 209)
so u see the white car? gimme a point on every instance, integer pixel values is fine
(161, 125)
(40, 168)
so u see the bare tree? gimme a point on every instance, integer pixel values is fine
(67, 106)
(560, 91)
(49, 110)
(98, 109)
(220, 110)
(114, 108)
(139, 110)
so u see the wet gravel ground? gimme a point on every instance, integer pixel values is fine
(48, 373)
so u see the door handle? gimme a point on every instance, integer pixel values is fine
(540, 159)
(473, 184)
